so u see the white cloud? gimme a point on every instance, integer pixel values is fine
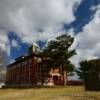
(4, 46)
(15, 44)
(87, 43)
(26, 17)
(93, 8)
(33, 19)
(3, 39)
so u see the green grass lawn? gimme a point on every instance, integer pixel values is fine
(55, 93)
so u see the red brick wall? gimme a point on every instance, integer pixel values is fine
(21, 72)
(28, 71)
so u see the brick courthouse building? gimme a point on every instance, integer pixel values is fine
(33, 69)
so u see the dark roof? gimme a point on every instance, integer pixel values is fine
(95, 60)
(20, 59)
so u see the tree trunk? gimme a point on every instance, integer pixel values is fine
(64, 73)
(65, 77)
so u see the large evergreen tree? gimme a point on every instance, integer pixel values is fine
(83, 67)
(86, 66)
(57, 50)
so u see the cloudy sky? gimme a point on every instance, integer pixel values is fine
(23, 22)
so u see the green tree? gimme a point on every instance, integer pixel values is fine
(58, 51)
(83, 67)
(86, 66)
